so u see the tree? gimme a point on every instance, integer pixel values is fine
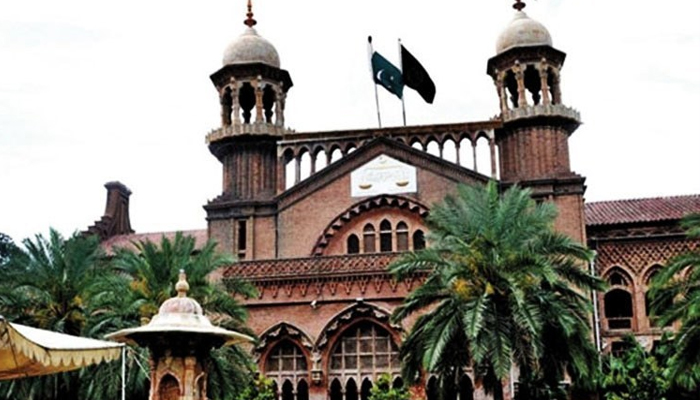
(502, 288)
(258, 388)
(676, 297)
(634, 375)
(383, 389)
(142, 279)
(45, 285)
(7, 249)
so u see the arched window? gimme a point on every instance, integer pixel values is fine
(169, 388)
(401, 236)
(246, 98)
(353, 244)
(275, 390)
(466, 388)
(364, 350)
(287, 390)
(365, 390)
(398, 383)
(617, 278)
(336, 390)
(286, 361)
(336, 154)
(268, 103)
(618, 309)
(449, 151)
(304, 164)
(302, 390)
(431, 391)
(368, 239)
(433, 148)
(533, 84)
(418, 240)
(320, 160)
(385, 236)
(351, 390)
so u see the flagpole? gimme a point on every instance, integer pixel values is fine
(403, 105)
(376, 96)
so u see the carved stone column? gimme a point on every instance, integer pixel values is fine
(520, 78)
(279, 108)
(542, 68)
(500, 87)
(258, 87)
(236, 112)
(556, 90)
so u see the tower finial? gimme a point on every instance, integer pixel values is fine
(250, 21)
(519, 5)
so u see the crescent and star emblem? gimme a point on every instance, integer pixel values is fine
(379, 74)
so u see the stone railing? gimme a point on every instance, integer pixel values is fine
(554, 110)
(256, 128)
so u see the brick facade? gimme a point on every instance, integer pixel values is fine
(318, 252)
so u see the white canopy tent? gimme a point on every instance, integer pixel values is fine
(26, 351)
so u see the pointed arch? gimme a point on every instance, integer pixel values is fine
(466, 388)
(618, 276)
(169, 387)
(431, 390)
(287, 392)
(351, 390)
(336, 390)
(352, 314)
(449, 150)
(281, 331)
(302, 390)
(363, 206)
(365, 389)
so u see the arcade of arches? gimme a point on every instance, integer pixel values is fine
(356, 358)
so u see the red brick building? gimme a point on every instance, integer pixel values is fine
(316, 217)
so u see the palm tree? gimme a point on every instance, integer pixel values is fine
(502, 289)
(143, 279)
(676, 297)
(45, 285)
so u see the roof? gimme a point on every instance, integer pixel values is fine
(654, 209)
(200, 236)
(27, 351)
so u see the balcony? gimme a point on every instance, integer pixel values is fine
(237, 128)
(540, 110)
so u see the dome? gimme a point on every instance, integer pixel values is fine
(179, 315)
(523, 31)
(251, 48)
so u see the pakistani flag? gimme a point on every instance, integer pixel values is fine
(416, 77)
(387, 75)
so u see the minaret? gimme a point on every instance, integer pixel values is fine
(252, 90)
(534, 141)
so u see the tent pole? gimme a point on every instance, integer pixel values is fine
(124, 373)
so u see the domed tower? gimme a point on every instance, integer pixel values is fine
(533, 143)
(252, 90)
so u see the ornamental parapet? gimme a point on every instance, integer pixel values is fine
(237, 129)
(310, 267)
(541, 110)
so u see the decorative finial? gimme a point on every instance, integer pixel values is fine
(250, 21)
(519, 5)
(182, 286)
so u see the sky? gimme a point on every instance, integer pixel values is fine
(96, 91)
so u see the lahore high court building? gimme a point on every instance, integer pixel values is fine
(315, 218)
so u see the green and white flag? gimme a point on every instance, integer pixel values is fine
(387, 75)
